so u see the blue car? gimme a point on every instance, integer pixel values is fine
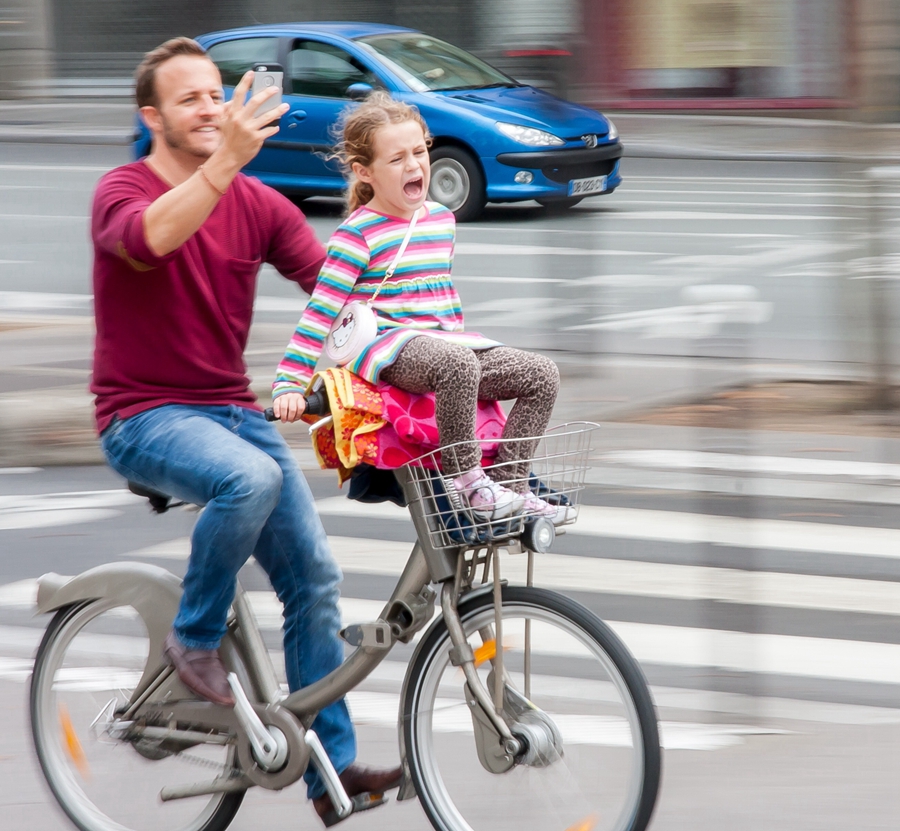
(495, 140)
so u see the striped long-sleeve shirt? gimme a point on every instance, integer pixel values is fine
(419, 299)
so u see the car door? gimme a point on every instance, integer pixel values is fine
(318, 76)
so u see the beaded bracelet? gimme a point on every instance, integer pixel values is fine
(209, 181)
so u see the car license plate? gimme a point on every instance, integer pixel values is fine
(585, 187)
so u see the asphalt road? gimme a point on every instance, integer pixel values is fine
(782, 241)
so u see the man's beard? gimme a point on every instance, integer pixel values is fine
(179, 140)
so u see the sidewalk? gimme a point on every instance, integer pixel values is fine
(722, 138)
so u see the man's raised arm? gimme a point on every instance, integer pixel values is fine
(177, 215)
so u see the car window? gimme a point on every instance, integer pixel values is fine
(426, 63)
(324, 70)
(235, 57)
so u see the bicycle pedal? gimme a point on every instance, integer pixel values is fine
(365, 801)
(375, 635)
(360, 802)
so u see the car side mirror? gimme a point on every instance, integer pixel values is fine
(358, 91)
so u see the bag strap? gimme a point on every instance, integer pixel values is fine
(396, 261)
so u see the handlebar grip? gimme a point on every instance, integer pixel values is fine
(316, 404)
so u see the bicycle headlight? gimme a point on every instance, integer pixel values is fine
(529, 135)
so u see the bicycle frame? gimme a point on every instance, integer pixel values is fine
(425, 565)
(435, 558)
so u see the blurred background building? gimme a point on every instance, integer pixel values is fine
(835, 56)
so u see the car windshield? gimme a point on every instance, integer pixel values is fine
(426, 63)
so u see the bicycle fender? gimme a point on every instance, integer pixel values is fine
(407, 789)
(152, 590)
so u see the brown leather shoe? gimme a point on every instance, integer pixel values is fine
(365, 786)
(200, 670)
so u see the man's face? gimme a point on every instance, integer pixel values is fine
(189, 105)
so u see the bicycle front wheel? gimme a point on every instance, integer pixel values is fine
(600, 770)
(89, 662)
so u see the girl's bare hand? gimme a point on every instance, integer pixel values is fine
(289, 407)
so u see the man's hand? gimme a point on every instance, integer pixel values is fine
(243, 133)
(289, 406)
(174, 217)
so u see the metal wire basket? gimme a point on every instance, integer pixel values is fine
(552, 466)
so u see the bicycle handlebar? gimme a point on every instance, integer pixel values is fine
(316, 404)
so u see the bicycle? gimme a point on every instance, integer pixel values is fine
(519, 707)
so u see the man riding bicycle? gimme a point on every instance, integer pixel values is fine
(178, 241)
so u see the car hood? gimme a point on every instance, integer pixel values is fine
(532, 108)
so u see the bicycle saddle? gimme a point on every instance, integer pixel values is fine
(159, 502)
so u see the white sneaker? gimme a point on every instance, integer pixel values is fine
(485, 498)
(557, 514)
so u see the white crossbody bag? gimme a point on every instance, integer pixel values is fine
(356, 324)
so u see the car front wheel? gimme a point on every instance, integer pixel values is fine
(457, 182)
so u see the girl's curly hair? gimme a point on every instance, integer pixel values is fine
(356, 138)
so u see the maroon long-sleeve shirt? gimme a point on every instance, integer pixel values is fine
(172, 329)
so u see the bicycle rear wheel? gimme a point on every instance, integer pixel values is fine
(604, 772)
(91, 658)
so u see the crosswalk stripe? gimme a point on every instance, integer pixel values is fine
(692, 647)
(789, 655)
(451, 715)
(679, 527)
(127, 651)
(753, 653)
(737, 463)
(358, 555)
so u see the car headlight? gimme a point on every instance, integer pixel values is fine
(613, 132)
(529, 135)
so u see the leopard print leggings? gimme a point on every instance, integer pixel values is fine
(459, 377)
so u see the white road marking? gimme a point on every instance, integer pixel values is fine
(18, 471)
(507, 250)
(693, 321)
(467, 278)
(676, 479)
(784, 181)
(699, 700)
(52, 509)
(358, 555)
(719, 215)
(125, 654)
(19, 595)
(177, 549)
(766, 654)
(735, 463)
(686, 646)
(22, 300)
(56, 168)
(650, 232)
(701, 203)
(858, 194)
(675, 526)
(45, 217)
(378, 709)
(783, 535)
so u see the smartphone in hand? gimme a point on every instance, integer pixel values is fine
(266, 75)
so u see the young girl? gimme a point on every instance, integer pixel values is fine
(421, 345)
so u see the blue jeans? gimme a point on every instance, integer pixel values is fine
(257, 501)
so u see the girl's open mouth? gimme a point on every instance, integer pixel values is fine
(413, 188)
